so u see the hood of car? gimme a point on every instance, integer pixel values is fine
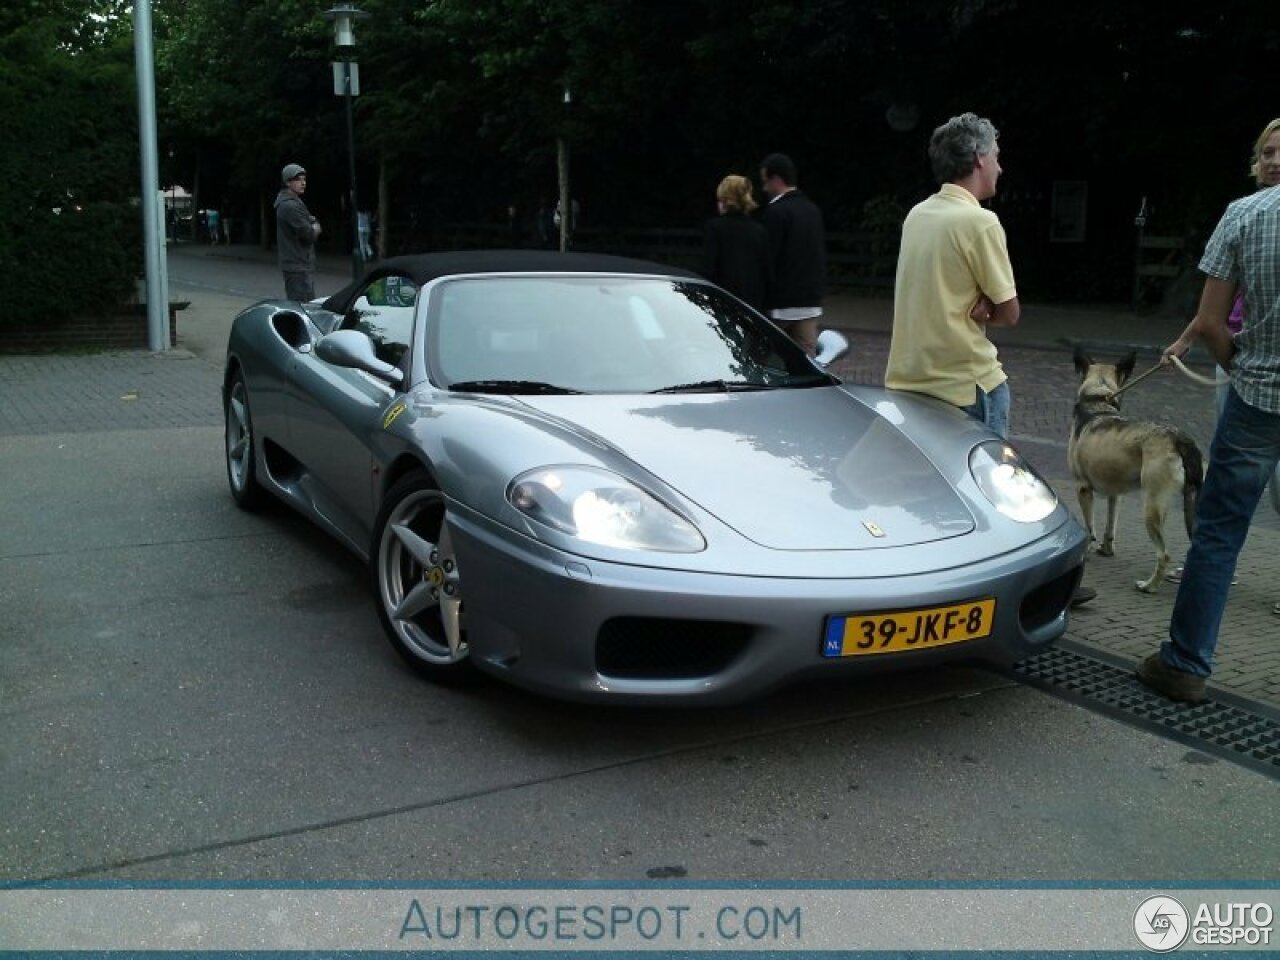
(812, 469)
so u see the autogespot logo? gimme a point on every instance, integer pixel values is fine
(1161, 924)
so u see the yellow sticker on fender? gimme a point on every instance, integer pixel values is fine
(391, 415)
(870, 633)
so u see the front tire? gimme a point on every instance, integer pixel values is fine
(242, 466)
(417, 583)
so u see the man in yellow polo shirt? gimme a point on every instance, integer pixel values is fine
(954, 278)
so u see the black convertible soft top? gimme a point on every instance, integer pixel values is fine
(425, 267)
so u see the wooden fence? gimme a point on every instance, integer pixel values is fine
(1159, 261)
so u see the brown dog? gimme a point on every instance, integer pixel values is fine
(1112, 455)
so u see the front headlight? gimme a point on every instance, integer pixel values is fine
(1009, 482)
(602, 508)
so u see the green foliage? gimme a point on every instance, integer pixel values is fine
(82, 261)
(882, 217)
(76, 25)
(70, 234)
(249, 75)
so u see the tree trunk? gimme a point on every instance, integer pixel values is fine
(384, 207)
(566, 206)
(195, 202)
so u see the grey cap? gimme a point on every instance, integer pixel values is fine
(290, 171)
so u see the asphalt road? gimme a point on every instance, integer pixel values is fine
(189, 692)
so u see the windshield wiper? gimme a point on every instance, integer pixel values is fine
(817, 379)
(714, 386)
(508, 386)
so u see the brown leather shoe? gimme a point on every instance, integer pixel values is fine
(1169, 681)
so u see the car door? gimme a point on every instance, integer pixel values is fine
(335, 412)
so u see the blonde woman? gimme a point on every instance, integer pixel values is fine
(735, 246)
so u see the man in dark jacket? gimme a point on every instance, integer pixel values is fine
(797, 240)
(296, 233)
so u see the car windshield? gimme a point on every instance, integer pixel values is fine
(606, 334)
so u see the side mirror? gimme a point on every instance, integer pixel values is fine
(831, 347)
(353, 349)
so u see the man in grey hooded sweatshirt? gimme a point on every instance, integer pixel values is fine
(296, 232)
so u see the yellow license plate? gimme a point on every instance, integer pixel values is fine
(869, 633)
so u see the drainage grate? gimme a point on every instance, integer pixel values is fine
(1231, 730)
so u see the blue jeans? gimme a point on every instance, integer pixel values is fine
(1245, 449)
(992, 409)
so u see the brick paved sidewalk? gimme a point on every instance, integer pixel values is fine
(79, 393)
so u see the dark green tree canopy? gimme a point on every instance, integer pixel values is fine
(69, 219)
(463, 101)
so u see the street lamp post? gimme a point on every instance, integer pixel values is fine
(346, 83)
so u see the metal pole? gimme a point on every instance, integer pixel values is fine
(357, 259)
(153, 256)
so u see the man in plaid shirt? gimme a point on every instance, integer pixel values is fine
(1243, 254)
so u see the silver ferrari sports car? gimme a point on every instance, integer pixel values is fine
(608, 479)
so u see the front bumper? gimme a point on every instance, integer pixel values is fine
(561, 625)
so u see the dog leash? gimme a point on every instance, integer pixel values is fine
(1197, 377)
(1134, 381)
(1160, 365)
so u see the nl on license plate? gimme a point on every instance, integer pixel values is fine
(869, 633)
